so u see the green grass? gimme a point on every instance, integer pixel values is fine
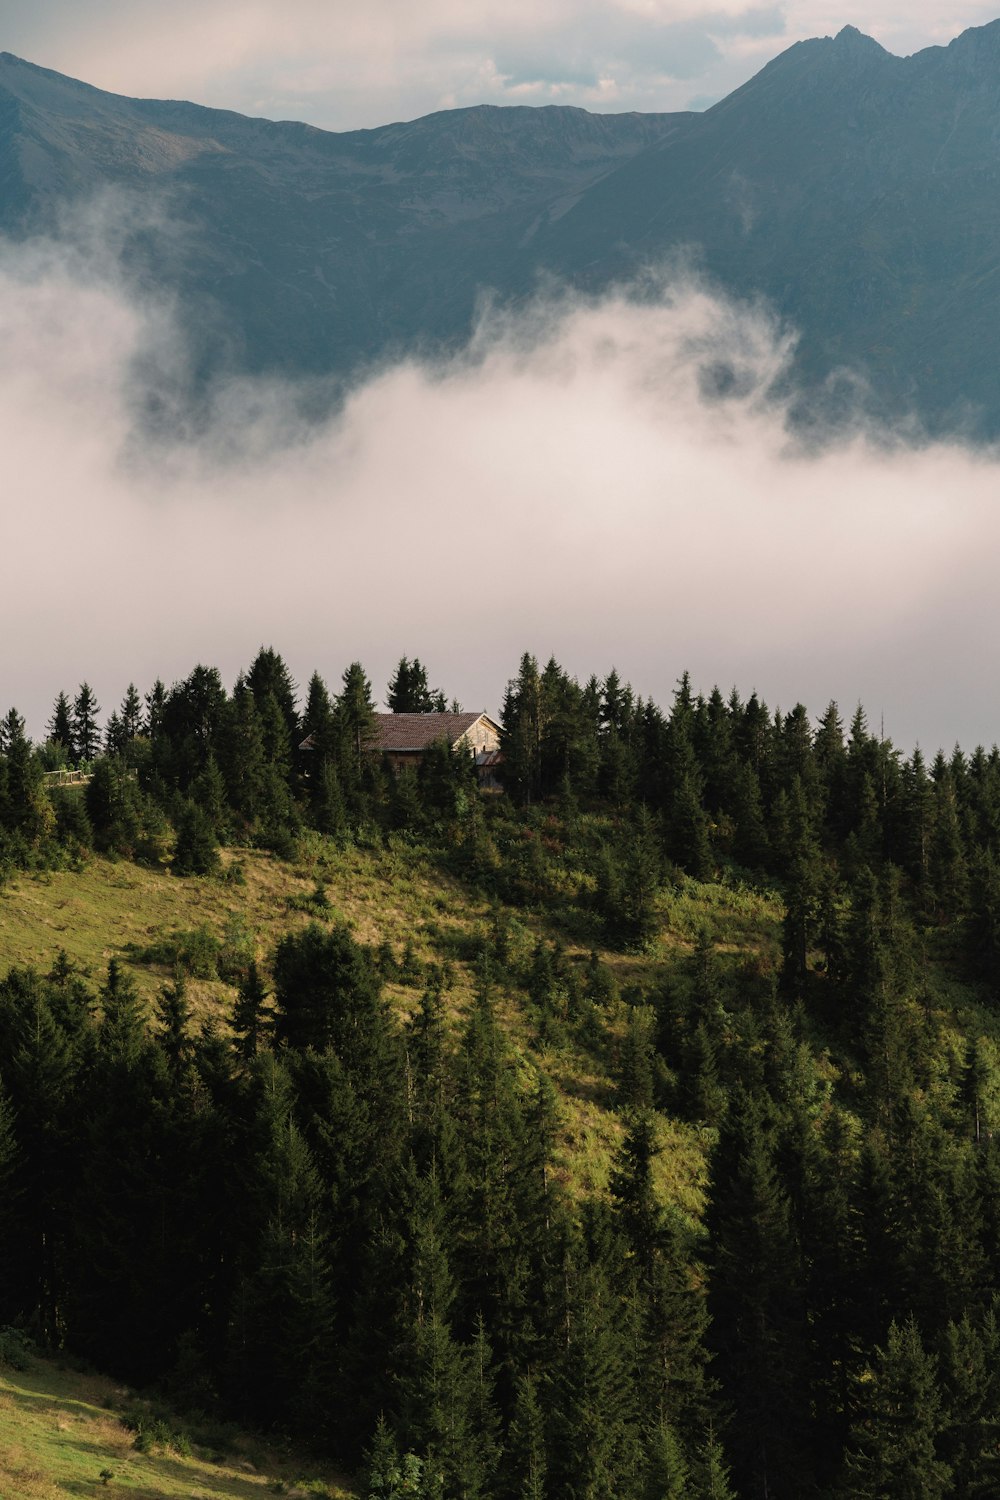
(57, 1436)
(395, 894)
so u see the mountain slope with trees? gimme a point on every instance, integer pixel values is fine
(853, 190)
(326, 1212)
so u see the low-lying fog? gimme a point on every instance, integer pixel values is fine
(565, 487)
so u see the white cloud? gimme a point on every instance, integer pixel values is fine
(565, 486)
(342, 65)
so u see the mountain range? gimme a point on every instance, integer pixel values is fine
(857, 192)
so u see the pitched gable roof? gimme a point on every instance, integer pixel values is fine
(400, 732)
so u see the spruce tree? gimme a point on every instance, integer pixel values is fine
(596, 1447)
(408, 692)
(251, 1021)
(441, 1399)
(524, 1469)
(267, 678)
(667, 1476)
(173, 1012)
(709, 1472)
(59, 730)
(86, 733)
(970, 1439)
(130, 714)
(892, 1448)
(196, 849)
(759, 1327)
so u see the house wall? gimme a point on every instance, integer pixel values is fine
(403, 760)
(481, 736)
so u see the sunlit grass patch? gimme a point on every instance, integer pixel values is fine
(59, 1438)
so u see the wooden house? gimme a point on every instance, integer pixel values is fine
(403, 738)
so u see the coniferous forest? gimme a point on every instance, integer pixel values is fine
(319, 1217)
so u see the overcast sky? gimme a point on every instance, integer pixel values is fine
(348, 63)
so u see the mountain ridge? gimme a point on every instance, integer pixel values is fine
(852, 189)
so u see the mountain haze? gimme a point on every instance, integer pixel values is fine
(855, 190)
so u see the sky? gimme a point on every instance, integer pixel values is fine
(344, 64)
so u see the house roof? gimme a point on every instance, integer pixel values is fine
(401, 732)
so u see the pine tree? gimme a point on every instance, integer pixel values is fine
(155, 704)
(440, 1397)
(709, 1472)
(130, 714)
(25, 809)
(86, 734)
(281, 1340)
(196, 849)
(174, 1015)
(11, 1227)
(114, 738)
(524, 1457)
(408, 692)
(208, 792)
(635, 1067)
(948, 864)
(267, 678)
(241, 756)
(117, 810)
(667, 1476)
(251, 1022)
(41, 1052)
(970, 1440)
(687, 831)
(596, 1449)
(668, 1306)
(59, 729)
(892, 1448)
(387, 1476)
(356, 713)
(326, 990)
(523, 720)
(121, 1034)
(759, 1329)
(801, 917)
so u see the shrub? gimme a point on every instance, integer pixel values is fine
(14, 1349)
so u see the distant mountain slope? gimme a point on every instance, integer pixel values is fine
(856, 190)
(319, 249)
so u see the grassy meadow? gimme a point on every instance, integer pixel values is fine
(61, 1431)
(397, 895)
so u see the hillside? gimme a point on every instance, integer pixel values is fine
(154, 923)
(854, 190)
(62, 1430)
(633, 1129)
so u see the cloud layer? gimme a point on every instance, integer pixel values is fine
(342, 65)
(566, 486)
